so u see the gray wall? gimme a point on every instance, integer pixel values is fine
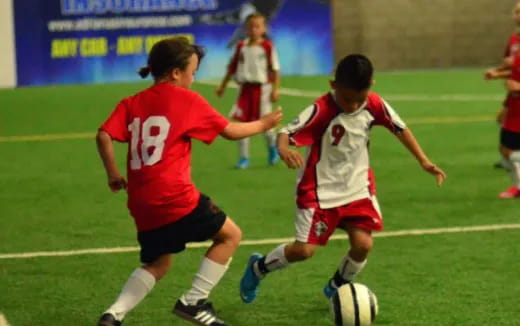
(400, 34)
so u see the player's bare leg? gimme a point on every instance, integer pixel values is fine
(361, 243)
(193, 305)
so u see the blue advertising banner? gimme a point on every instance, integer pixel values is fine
(94, 41)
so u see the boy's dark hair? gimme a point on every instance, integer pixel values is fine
(354, 71)
(255, 15)
(169, 54)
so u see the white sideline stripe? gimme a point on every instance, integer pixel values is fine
(3, 321)
(91, 135)
(48, 137)
(389, 97)
(389, 234)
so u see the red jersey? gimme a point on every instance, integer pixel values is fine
(513, 46)
(158, 124)
(337, 170)
(512, 118)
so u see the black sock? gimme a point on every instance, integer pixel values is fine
(337, 280)
(260, 263)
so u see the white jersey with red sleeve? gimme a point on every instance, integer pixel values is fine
(254, 63)
(337, 165)
(158, 124)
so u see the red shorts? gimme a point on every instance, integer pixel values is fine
(254, 100)
(315, 225)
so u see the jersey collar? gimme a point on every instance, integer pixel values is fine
(333, 96)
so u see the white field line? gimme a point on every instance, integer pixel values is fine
(90, 135)
(3, 321)
(312, 94)
(389, 97)
(48, 137)
(388, 234)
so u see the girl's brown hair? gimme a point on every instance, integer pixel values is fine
(169, 54)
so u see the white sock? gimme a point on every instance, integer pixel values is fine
(273, 261)
(349, 268)
(270, 138)
(505, 163)
(208, 276)
(515, 156)
(515, 173)
(243, 148)
(139, 284)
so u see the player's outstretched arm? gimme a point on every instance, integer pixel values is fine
(292, 158)
(105, 147)
(276, 86)
(408, 140)
(496, 73)
(239, 130)
(222, 87)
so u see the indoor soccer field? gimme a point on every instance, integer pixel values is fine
(448, 256)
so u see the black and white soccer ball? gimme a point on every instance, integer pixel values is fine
(353, 305)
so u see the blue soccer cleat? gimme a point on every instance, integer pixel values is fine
(249, 282)
(329, 291)
(243, 163)
(274, 157)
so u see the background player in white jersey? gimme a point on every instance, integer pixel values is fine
(335, 188)
(255, 68)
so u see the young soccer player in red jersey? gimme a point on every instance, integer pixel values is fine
(510, 132)
(158, 124)
(255, 68)
(336, 185)
(512, 47)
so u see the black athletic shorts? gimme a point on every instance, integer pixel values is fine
(510, 139)
(200, 225)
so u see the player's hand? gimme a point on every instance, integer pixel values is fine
(220, 91)
(116, 182)
(270, 120)
(501, 115)
(435, 171)
(490, 74)
(292, 158)
(274, 95)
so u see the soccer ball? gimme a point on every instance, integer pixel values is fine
(353, 305)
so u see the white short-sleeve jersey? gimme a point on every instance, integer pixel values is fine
(254, 63)
(337, 164)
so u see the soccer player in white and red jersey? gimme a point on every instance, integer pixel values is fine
(158, 124)
(336, 185)
(255, 68)
(497, 72)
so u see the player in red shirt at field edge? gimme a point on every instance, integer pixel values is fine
(512, 47)
(335, 184)
(158, 124)
(510, 132)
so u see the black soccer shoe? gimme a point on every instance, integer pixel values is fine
(200, 314)
(109, 320)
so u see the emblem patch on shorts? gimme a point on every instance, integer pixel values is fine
(320, 228)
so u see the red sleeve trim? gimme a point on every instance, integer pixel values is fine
(233, 64)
